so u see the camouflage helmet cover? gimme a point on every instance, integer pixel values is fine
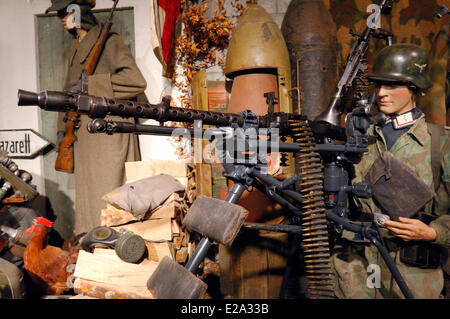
(402, 62)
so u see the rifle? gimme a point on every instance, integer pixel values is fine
(65, 159)
(310, 215)
(330, 118)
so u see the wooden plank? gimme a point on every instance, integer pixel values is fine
(157, 251)
(138, 170)
(200, 91)
(175, 228)
(203, 179)
(250, 269)
(219, 182)
(106, 270)
(200, 102)
(88, 289)
(178, 242)
(166, 210)
(151, 229)
(217, 96)
(111, 254)
(181, 255)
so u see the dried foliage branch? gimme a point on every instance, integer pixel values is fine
(201, 45)
(202, 42)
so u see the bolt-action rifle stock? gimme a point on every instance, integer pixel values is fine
(65, 159)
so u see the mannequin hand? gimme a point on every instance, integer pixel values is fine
(411, 229)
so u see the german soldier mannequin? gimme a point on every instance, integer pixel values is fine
(99, 159)
(399, 74)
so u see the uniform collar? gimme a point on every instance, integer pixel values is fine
(401, 121)
(418, 131)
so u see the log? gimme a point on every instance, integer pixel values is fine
(114, 216)
(181, 255)
(178, 241)
(157, 251)
(152, 229)
(103, 269)
(167, 209)
(176, 229)
(203, 179)
(88, 289)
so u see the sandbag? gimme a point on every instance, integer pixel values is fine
(144, 195)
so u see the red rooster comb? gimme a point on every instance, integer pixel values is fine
(39, 220)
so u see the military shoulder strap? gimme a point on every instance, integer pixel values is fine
(436, 131)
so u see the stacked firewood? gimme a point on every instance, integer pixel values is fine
(102, 274)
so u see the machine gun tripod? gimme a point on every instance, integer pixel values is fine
(310, 214)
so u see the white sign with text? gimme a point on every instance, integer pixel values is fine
(22, 143)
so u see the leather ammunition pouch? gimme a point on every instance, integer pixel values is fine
(424, 255)
(396, 187)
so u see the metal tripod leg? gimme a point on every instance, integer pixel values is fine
(173, 281)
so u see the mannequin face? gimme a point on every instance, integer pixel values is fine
(67, 19)
(394, 97)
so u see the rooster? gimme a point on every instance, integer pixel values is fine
(48, 266)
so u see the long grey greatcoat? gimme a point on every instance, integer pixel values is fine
(100, 158)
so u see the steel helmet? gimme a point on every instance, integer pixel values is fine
(402, 62)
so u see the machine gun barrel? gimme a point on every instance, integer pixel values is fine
(99, 107)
